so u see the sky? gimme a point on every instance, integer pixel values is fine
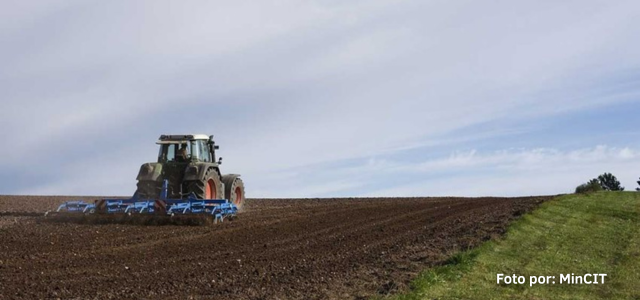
(323, 98)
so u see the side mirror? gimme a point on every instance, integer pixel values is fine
(219, 160)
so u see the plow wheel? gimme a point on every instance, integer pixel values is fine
(234, 189)
(148, 189)
(210, 187)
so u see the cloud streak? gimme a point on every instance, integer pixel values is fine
(289, 86)
(513, 171)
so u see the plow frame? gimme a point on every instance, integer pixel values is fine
(218, 209)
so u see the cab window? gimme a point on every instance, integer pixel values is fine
(171, 153)
(206, 156)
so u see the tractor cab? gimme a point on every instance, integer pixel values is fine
(186, 148)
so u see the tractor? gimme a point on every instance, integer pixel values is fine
(188, 163)
(183, 187)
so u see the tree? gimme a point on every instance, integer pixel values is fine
(592, 186)
(609, 182)
(638, 189)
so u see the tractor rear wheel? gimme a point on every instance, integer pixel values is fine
(210, 187)
(234, 189)
(148, 189)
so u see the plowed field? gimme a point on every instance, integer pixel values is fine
(275, 249)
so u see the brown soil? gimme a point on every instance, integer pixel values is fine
(276, 249)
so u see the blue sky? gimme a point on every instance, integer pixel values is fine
(323, 98)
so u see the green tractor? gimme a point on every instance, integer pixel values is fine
(188, 163)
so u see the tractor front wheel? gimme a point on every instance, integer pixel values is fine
(234, 189)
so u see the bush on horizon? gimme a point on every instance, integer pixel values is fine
(590, 187)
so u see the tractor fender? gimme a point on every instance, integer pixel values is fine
(150, 172)
(230, 177)
(197, 171)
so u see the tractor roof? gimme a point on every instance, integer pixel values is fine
(177, 138)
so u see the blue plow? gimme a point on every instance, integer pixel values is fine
(215, 210)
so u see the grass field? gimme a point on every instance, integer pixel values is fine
(579, 234)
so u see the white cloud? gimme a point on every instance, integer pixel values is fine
(288, 85)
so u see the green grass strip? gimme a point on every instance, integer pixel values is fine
(579, 234)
